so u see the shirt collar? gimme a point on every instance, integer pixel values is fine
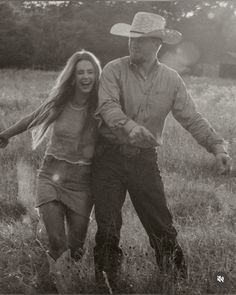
(154, 67)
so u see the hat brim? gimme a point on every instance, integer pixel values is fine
(168, 36)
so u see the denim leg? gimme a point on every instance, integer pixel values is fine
(109, 191)
(147, 195)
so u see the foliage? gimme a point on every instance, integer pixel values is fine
(41, 35)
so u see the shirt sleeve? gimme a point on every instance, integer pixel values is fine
(185, 112)
(21, 126)
(109, 103)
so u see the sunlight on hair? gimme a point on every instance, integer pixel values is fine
(61, 92)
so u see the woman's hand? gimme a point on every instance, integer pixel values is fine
(3, 141)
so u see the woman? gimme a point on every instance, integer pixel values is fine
(63, 184)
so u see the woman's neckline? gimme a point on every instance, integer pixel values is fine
(77, 107)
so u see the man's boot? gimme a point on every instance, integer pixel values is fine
(107, 271)
(60, 271)
(102, 282)
(170, 259)
(179, 262)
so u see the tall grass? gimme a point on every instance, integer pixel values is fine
(202, 203)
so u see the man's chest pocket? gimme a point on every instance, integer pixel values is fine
(160, 103)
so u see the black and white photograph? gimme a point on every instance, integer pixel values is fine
(118, 147)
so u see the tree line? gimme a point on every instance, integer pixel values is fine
(33, 35)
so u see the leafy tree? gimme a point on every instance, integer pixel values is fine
(15, 42)
(43, 34)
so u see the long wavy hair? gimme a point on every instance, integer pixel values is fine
(62, 93)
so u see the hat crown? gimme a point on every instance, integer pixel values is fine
(145, 22)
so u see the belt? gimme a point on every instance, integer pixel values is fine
(125, 149)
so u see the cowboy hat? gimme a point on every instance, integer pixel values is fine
(146, 24)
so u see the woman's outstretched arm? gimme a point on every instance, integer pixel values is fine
(19, 127)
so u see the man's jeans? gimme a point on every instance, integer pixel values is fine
(113, 174)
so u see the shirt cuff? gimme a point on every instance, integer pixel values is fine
(220, 148)
(129, 126)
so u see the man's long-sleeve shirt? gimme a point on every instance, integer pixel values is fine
(128, 99)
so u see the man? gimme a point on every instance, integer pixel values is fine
(136, 93)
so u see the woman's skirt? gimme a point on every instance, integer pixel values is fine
(64, 182)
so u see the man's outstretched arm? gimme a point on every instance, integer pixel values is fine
(185, 112)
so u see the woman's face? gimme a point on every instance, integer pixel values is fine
(84, 76)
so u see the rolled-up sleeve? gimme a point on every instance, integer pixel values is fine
(185, 112)
(109, 104)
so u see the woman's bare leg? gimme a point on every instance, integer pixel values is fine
(77, 230)
(53, 216)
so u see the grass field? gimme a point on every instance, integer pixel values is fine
(203, 203)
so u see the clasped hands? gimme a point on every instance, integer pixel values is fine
(142, 137)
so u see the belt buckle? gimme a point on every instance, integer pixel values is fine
(129, 151)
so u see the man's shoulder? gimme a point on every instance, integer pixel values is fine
(168, 70)
(118, 62)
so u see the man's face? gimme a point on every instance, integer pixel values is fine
(142, 49)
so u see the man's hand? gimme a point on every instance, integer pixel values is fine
(3, 142)
(223, 163)
(142, 137)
